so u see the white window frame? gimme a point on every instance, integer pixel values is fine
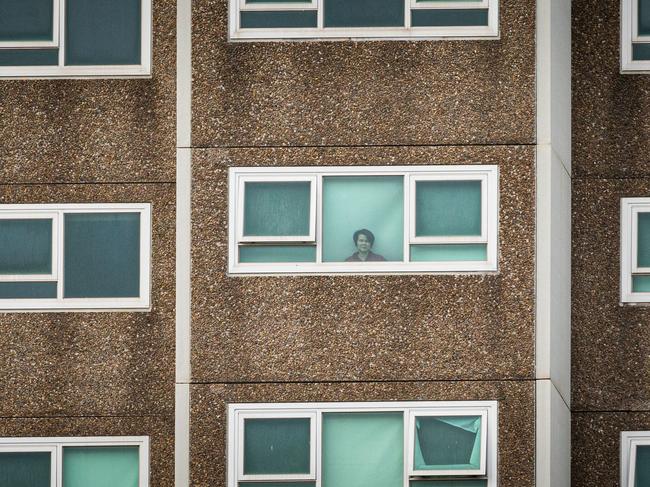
(630, 440)
(630, 35)
(461, 408)
(141, 303)
(490, 31)
(55, 446)
(630, 209)
(490, 192)
(142, 70)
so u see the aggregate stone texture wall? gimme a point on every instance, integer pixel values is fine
(395, 327)
(611, 127)
(516, 431)
(610, 343)
(337, 93)
(596, 445)
(102, 363)
(94, 129)
(159, 429)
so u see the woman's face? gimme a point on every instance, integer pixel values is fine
(363, 244)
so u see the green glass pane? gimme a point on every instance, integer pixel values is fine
(278, 1)
(363, 450)
(447, 208)
(277, 484)
(102, 32)
(26, 246)
(363, 13)
(278, 19)
(644, 17)
(643, 240)
(26, 20)
(642, 470)
(448, 18)
(352, 203)
(102, 255)
(276, 446)
(640, 52)
(25, 469)
(641, 284)
(27, 290)
(277, 209)
(447, 443)
(448, 252)
(29, 57)
(277, 253)
(448, 483)
(101, 466)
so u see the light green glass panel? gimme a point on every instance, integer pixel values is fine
(449, 252)
(641, 284)
(277, 209)
(352, 203)
(447, 208)
(277, 1)
(449, 483)
(643, 240)
(642, 471)
(276, 253)
(447, 443)
(25, 469)
(26, 246)
(101, 466)
(644, 18)
(363, 450)
(277, 446)
(277, 484)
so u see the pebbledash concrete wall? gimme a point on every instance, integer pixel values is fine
(362, 338)
(99, 141)
(611, 343)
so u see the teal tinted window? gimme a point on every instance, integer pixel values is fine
(102, 255)
(279, 19)
(448, 483)
(273, 209)
(363, 450)
(28, 290)
(448, 252)
(25, 469)
(448, 18)
(26, 246)
(102, 32)
(640, 52)
(277, 253)
(26, 20)
(447, 208)
(447, 443)
(374, 203)
(643, 240)
(277, 446)
(363, 13)
(106, 466)
(277, 484)
(642, 471)
(644, 17)
(641, 284)
(29, 57)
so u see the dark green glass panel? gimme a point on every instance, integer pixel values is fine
(447, 443)
(641, 284)
(276, 446)
(29, 57)
(641, 52)
(448, 483)
(277, 253)
(363, 13)
(277, 1)
(25, 469)
(277, 209)
(27, 290)
(101, 466)
(644, 17)
(447, 208)
(642, 470)
(102, 255)
(277, 484)
(278, 19)
(463, 17)
(26, 246)
(643, 240)
(26, 20)
(448, 252)
(102, 32)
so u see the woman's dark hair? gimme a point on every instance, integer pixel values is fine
(369, 235)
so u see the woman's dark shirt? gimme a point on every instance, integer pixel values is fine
(372, 257)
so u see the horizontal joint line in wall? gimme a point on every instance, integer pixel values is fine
(607, 178)
(370, 146)
(90, 416)
(360, 381)
(612, 411)
(83, 182)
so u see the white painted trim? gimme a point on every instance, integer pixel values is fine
(183, 264)
(630, 35)
(451, 5)
(630, 208)
(279, 5)
(630, 440)
(184, 73)
(182, 436)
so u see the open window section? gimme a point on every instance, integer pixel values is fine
(82, 256)
(635, 250)
(359, 19)
(74, 462)
(635, 36)
(75, 38)
(635, 458)
(432, 444)
(363, 219)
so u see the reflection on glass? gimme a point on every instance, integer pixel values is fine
(364, 239)
(447, 443)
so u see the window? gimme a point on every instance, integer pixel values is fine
(635, 250)
(345, 19)
(85, 256)
(410, 444)
(363, 219)
(635, 458)
(75, 462)
(635, 36)
(75, 38)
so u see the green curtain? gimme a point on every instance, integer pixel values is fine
(101, 466)
(447, 443)
(276, 446)
(26, 246)
(363, 450)
(447, 208)
(642, 472)
(448, 252)
(273, 209)
(25, 469)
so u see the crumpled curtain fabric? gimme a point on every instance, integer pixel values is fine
(469, 424)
